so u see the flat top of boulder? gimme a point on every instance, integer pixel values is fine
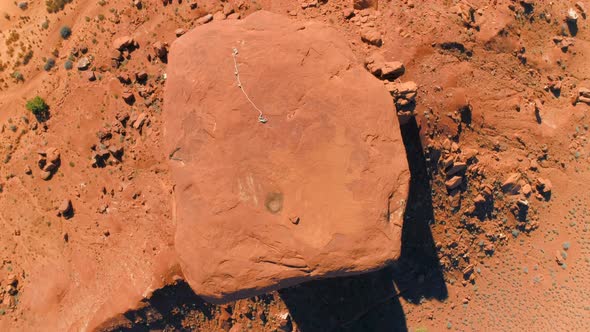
(317, 191)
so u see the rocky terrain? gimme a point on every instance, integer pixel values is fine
(488, 100)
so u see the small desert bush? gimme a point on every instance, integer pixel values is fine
(65, 32)
(54, 6)
(49, 64)
(38, 107)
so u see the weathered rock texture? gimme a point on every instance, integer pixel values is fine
(318, 191)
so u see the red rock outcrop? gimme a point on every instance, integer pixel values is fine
(317, 191)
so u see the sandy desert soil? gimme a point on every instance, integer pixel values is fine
(495, 233)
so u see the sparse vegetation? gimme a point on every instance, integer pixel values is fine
(54, 6)
(37, 105)
(49, 64)
(65, 32)
(68, 65)
(18, 76)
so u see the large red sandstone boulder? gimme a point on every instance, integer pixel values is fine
(317, 191)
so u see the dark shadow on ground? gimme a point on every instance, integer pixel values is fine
(369, 302)
(165, 310)
(366, 302)
(418, 273)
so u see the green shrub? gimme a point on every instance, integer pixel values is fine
(38, 107)
(68, 65)
(65, 32)
(54, 6)
(18, 76)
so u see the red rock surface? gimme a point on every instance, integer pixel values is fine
(317, 191)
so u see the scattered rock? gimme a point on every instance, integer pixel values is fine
(228, 9)
(124, 43)
(65, 209)
(403, 93)
(137, 124)
(179, 32)
(45, 175)
(284, 321)
(161, 51)
(49, 161)
(457, 168)
(124, 78)
(581, 8)
(91, 76)
(234, 16)
(572, 16)
(563, 42)
(390, 70)
(116, 55)
(544, 186)
(219, 16)
(83, 63)
(141, 76)
(467, 14)
(364, 4)
(559, 259)
(348, 13)
(128, 97)
(511, 184)
(527, 189)
(454, 182)
(583, 96)
(205, 19)
(371, 36)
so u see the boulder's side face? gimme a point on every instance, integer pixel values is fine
(317, 191)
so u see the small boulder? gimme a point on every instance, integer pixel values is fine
(128, 97)
(116, 55)
(83, 63)
(65, 209)
(45, 175)
(137, 124)
(583, 96)
(371, 36)
(205, 19)
(392, 70)
(124, 78)
(348, 13)
(141, 76)
(228, 9)
(161, 51)
(91, 76)
(403, 93)
(457, 168)
(572, 16)
(511, 184)
(454, 182)
(219, 16)
(234, 16)
(544, 186)
(123, 43)
(389, 70)
(364, 4)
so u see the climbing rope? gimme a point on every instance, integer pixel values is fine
(261, 117)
